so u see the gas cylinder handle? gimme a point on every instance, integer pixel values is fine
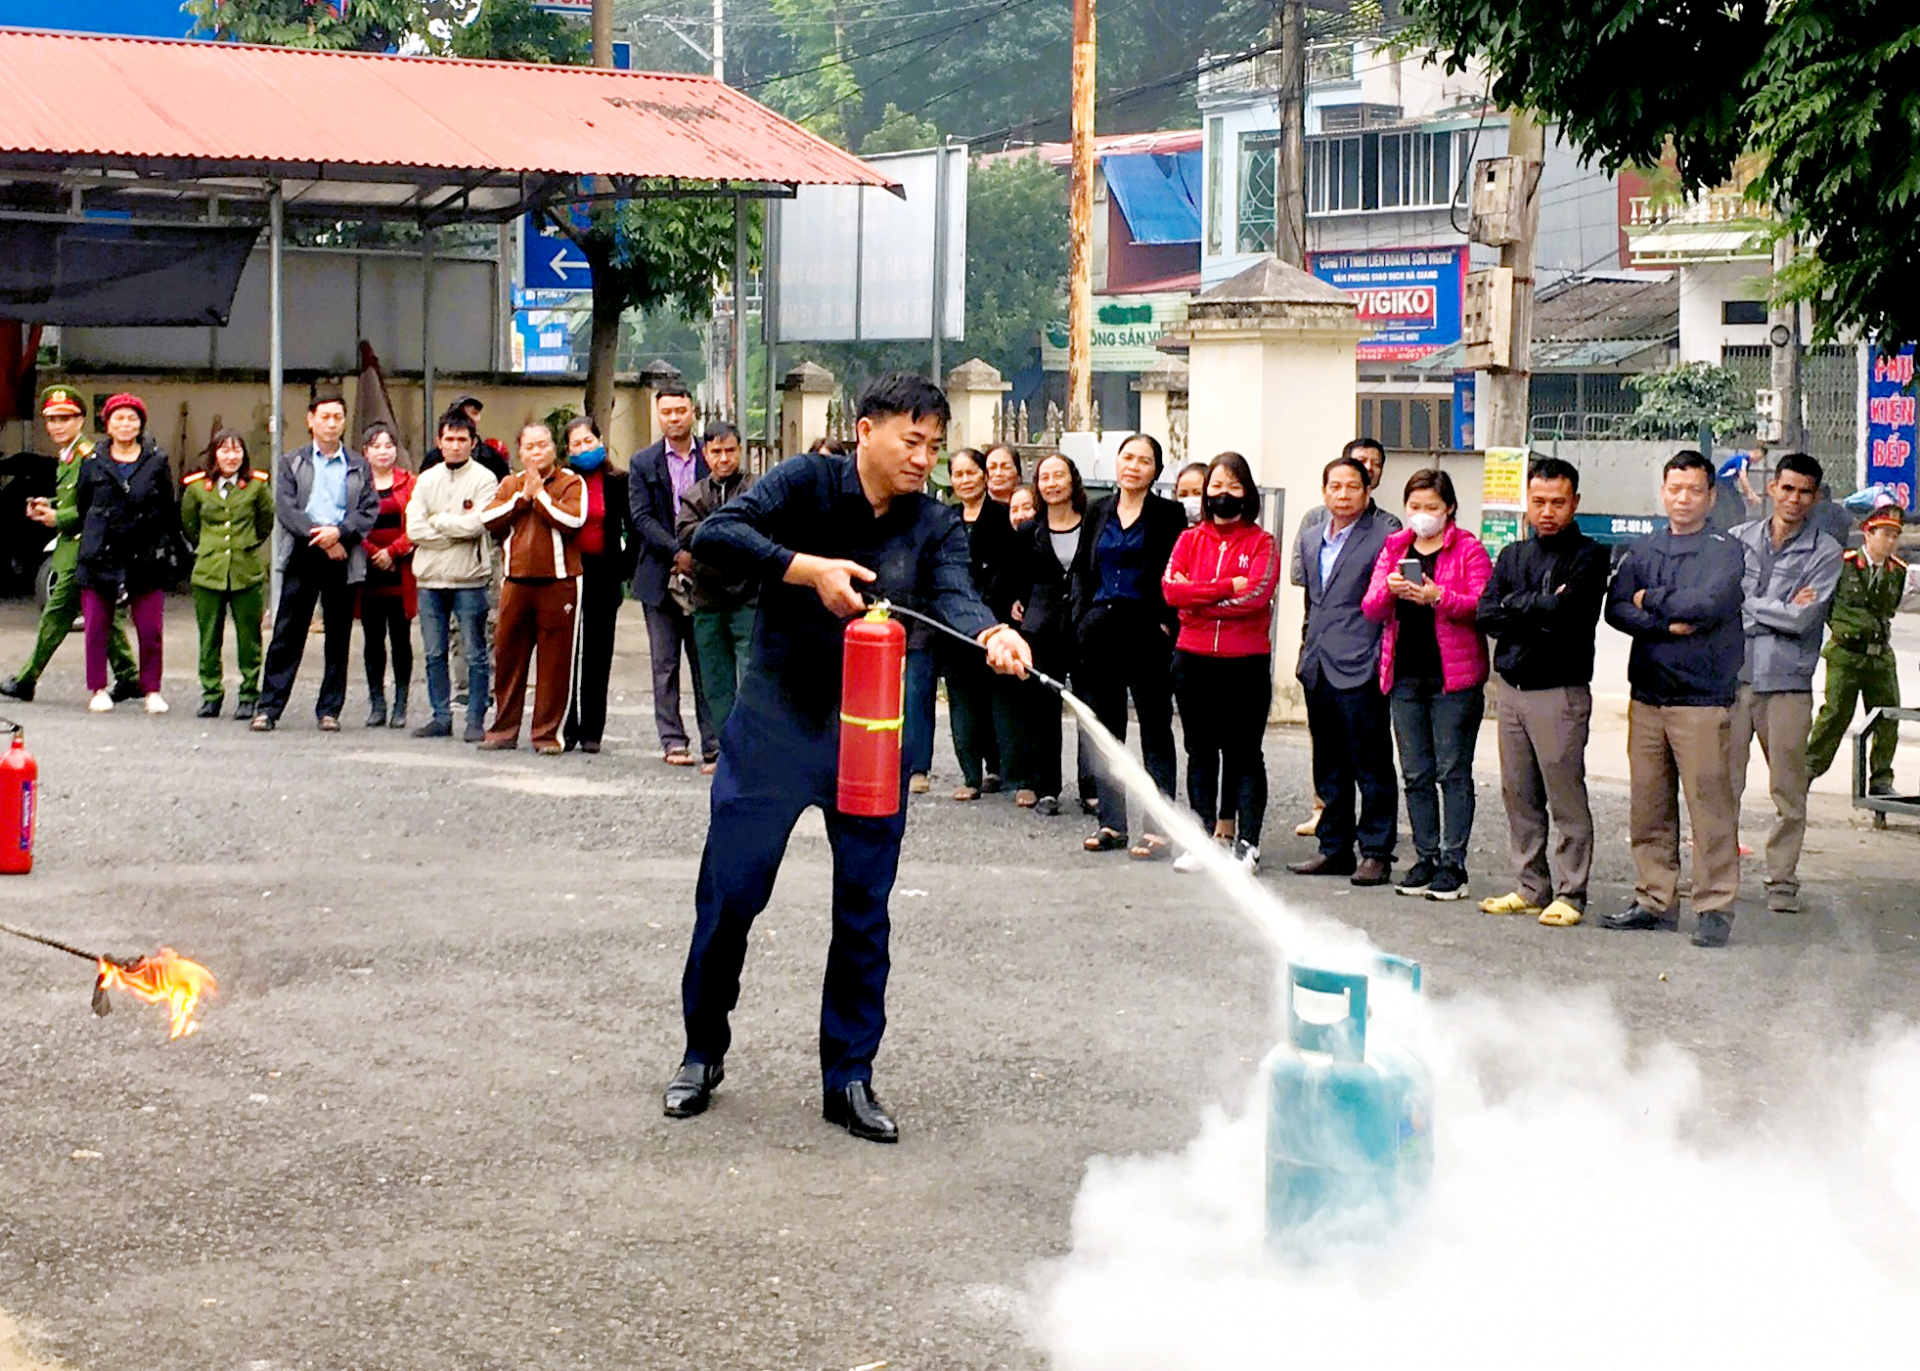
(1401, 968)
(1345, 1039)
(9, 726)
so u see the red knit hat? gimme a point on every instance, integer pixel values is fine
(124, 400)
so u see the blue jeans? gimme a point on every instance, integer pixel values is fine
(438, 608)
(922, 682)
(1437, 730)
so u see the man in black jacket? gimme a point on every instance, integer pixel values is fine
(656, 479)
(1543, 605)
(1678, 595)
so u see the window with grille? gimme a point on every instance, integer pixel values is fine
(1258, 191)
(1407, 169)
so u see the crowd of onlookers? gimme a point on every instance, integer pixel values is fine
(1148, 605)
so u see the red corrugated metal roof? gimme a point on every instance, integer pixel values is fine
(82, 98)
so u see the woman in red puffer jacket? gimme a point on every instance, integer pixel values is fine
(1221, 579)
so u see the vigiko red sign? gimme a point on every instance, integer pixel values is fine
(1410, 297)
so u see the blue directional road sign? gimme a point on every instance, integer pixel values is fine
(551, 262)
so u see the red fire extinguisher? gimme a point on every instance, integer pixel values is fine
(19, 778)
(873, 686)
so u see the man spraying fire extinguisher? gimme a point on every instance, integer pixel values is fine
(822, 533)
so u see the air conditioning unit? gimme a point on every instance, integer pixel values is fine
(1499, 200)
(1486, 319)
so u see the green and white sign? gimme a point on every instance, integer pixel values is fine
(1125, 329)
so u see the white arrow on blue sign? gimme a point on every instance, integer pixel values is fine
(552, 263)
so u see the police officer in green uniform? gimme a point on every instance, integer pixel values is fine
(1859, 650)
(227, 511)
(64, 416)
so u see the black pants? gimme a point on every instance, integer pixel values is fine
(1124, 651)
(746, 840)
(1353, 749)
(311, 578)
(383, 618)
(600, 596)
(979, 711)
(1224, 703)
(1039, 711)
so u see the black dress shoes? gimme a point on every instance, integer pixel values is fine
(691, 1089)
(17, 688)
(1323, 865)
(1713, 930)
(1638, 916)
(855, 1109)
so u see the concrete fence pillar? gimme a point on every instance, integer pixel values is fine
(805, 393)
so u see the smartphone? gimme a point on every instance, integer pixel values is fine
(1412, 572)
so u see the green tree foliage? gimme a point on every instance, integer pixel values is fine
(1689, 396)
(898, 132)
(1822, 90)
(514, 31)
(1016, 258)
(366, 26)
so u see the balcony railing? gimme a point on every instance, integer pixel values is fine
(1714, 207)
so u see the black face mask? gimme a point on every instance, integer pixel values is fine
(1226, 506)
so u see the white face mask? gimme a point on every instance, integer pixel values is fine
(1427, 525)
(1192, 505)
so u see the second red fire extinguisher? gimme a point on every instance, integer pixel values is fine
(19, 784)
(872, 691)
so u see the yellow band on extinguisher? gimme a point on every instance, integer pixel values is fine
(872, 725)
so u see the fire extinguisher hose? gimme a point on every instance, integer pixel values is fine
(957, 636)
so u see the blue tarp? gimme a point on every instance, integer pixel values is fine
(1159, 193)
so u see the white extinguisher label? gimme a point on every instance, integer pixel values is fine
(26, 816)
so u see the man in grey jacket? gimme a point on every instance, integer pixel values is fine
(1792, 567)
(324, 498)
(1340, 668)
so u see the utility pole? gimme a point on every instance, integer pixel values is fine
(1290, 158)
(602, 22)
(1506, 421)
(719, 40)
(1783, 334)
(1080, 237)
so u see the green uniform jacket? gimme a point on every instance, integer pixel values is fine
(230, 536)
(1864, 604)
(66, 514)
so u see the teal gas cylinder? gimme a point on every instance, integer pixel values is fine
(1349, 1122)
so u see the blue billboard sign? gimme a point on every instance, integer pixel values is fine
(543, 342)
(1410, 297)
(125, 18)
(550, 261)
(1890, 421)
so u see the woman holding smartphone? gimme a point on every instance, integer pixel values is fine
(1433, 670)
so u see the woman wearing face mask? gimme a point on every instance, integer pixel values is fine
(1003, 472)
(389, 600)
(1221, 579)
(1125, 629)
(1050, 550)
(606, 548)
(1190, 491)
(979, 711)
(1433, 669)
(227, 511)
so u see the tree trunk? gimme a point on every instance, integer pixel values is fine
(603, 350)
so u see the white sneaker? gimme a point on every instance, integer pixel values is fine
(156, 705)
(101, 703)
(1187, 863)
(1248, 856)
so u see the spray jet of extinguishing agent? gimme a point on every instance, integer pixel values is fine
(1033, 673)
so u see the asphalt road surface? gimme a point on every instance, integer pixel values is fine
(420, 1128)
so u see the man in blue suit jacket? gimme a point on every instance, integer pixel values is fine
(656, 479)
(1347, 715)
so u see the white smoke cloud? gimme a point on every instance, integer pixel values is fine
(1587, 1210)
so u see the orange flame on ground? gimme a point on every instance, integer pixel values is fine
(164, 978)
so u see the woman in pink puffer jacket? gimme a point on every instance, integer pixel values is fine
(1433, 670)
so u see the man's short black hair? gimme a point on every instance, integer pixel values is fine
(1686, 459)
(721, 429)
(902, 392)
(466, 400)
(1366, 482)
(1555, 469)
(460, 419)
(1800, 464)
(674, 388)
(1354, 448)
(326, 396)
